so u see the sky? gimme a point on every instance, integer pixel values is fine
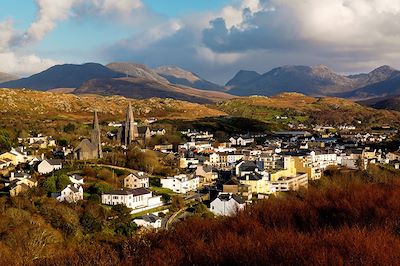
(212, 38)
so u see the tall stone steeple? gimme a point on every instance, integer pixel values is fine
(96, 135)
(131, 131)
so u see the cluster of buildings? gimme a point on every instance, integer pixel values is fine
(283, 161)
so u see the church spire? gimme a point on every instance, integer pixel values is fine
(130, 128)
(95, 121)
(96, 135)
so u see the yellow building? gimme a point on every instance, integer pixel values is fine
(303, 165)
(14, 156)
(258, 183)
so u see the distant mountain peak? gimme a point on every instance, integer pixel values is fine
(177, 72)
(180, 76)
(136, 71)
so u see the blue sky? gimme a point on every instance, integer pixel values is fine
(213, 38)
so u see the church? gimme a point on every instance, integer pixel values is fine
(130, 133)
(90, 149)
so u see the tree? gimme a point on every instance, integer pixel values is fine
(90, 224)
(49, 185)
(177, 202)
(6, 141)
(105, 174)
(62, 181)
(69, 128)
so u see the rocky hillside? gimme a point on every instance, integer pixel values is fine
(297, 108)
(136, 71)
(40, 106)
(144, 88)
(179, 76)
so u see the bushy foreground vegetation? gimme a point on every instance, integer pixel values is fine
(348, 217)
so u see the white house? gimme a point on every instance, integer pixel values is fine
(227, 204)
(48, 166)
(181, 183)
(76, 179)
(136, 180)
(71, 194)
(149, 221)
(241, 141)
(138, 199)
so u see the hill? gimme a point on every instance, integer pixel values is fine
(242, 78)
(179, 76)
(388, 102)
(145, 88)
(63, 76)
(316, 81)
(383, 81)
(45, 106)
(136, 71)
(298, 108)
(4, 77)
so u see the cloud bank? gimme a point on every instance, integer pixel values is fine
(348, 35)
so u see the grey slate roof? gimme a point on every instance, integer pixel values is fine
(133, 192)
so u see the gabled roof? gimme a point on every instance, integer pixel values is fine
(228, 197)
(252, 176)
(151, 218)
(77, 177)
(133, 192)
(248, 166)
(54, 161)
(232, 182)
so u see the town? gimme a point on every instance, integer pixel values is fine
(199, 176)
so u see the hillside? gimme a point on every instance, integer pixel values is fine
(179, 76)
(316, 81)
(136, 71)
(4, 77)
(63, 76)
(144, 88)
(45, 106)
(389, 103)
(299, 108)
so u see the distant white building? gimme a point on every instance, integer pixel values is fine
(227, 204)
(136, 180)
(149, 221)
(48, 166)
(138, 199)
(76, 179)
(181, 183)
(71, 194)
(241, 141)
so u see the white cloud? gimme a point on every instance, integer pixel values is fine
(13, 59)
(23, 64)
(6, 34)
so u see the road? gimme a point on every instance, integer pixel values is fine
(173, 217)
(117, 167)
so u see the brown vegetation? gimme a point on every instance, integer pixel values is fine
(348, 217)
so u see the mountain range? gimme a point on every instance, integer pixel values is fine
(140, 81)
(125, 79)
(316, 81)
